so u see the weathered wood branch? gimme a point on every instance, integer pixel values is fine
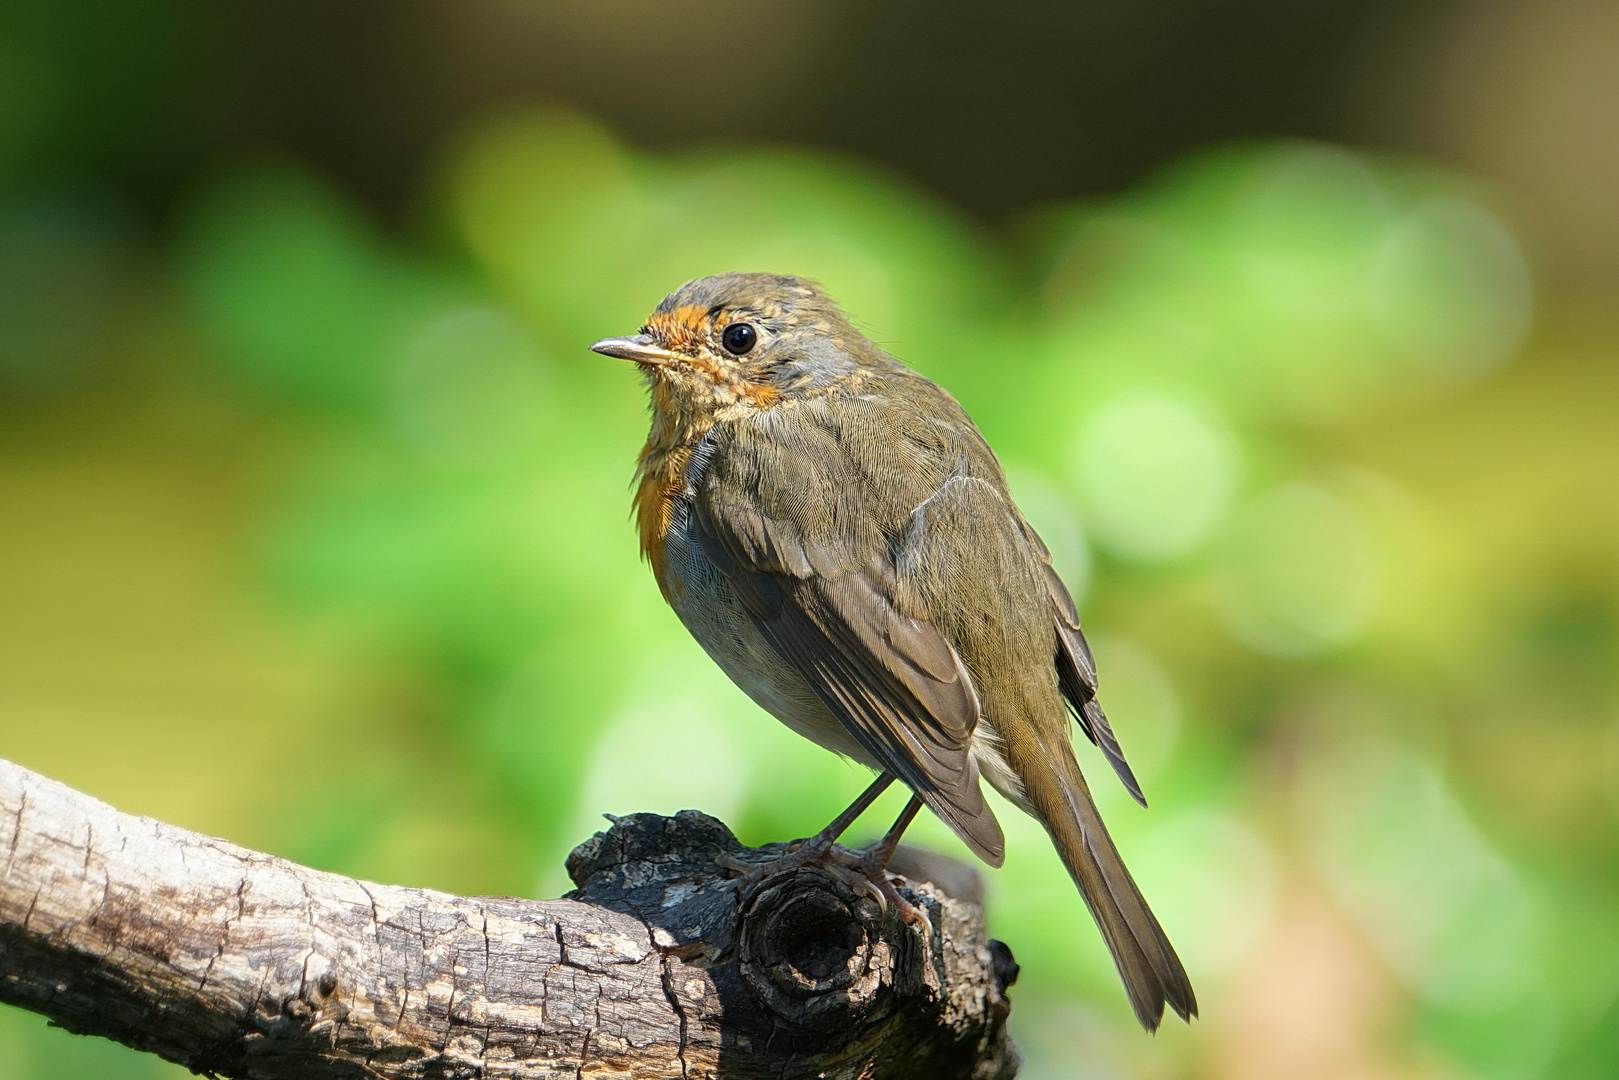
(240, 964)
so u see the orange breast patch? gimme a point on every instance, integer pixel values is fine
(662, 477)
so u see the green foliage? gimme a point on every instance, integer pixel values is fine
(1347, 556)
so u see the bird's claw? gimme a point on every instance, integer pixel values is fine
(881, 884)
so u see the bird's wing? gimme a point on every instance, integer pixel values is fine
(808, 561)
(1076, 670)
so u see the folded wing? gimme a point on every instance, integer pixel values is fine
(816, 577)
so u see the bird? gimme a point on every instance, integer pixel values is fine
(838, 536)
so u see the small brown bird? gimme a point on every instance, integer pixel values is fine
(837, 535)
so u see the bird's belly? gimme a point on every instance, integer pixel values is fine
(705, 603)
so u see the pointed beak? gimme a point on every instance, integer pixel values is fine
(641, 348)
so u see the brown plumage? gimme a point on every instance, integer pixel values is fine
(838, 536)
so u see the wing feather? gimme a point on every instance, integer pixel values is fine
(827, 602)
(1076, 671)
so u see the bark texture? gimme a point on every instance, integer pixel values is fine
(240, 964)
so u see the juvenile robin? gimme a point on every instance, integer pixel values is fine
(838, 536)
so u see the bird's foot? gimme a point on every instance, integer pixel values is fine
(870, 867)
(810, 851)
(862, 869)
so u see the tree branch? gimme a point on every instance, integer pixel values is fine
(236, 963)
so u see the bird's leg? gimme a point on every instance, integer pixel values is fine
(878, 854)
(812, 850)
(828, 836)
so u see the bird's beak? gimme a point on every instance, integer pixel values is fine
(641, 348)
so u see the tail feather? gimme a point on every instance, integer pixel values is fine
(1152, 973)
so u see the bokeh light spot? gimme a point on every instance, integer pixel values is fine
(1300, 220)
(1157, 474)
(1301, 571)
(1451, 289)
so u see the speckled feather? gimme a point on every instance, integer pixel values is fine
(839, 537)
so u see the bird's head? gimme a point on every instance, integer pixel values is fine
(742, 341)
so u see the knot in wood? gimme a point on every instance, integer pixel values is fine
(812, 949)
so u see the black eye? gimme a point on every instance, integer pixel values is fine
(739, 338)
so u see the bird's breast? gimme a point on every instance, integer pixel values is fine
(656, 497)
(670, 471)
(702, 597)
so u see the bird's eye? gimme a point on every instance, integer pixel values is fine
(739, 338)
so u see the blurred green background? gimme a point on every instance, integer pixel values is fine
(1296, 327)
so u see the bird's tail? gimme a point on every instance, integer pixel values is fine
(1152, 973)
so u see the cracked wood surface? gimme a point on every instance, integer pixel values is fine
(241, 964)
